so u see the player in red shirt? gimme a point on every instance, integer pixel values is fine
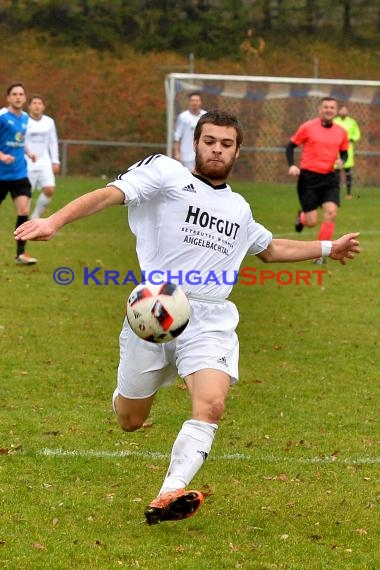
(318, 182)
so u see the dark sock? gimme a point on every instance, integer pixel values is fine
(348, 182)
(20, 247)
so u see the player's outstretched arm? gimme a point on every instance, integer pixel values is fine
(343, 249)
(43, 229)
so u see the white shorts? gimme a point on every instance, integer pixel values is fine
(190, 164)
(209, 341)
(43, 178)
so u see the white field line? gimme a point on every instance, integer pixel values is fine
(47, 452)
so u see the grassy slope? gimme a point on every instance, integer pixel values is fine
(121, 96)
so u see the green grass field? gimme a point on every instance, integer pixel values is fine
(295, 466)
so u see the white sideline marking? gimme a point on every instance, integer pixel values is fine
(226, 457)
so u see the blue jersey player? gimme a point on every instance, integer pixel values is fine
(13, 169)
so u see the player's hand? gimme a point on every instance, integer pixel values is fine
(8, 159)
(345, 248)
(294, 170)
(40, 229)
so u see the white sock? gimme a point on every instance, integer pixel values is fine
(190, 451)
(41, 204)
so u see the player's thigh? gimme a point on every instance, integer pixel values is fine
(331, 193)
(330, 210)
(48, 191)
(131, 413)
(308, 194)
(33, 176)
(208, 389)
(47, 178)
(22, 205)
(144, 367)
(209, 342)
(21, 187)
(311, 218)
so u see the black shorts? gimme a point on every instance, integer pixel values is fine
(314, 189)
(21, 187)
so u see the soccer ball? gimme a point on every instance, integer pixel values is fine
(158, 313)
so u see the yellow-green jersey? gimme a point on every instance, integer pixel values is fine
(353, 133)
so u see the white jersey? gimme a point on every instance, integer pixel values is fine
(184, 133)
(41, 139)
(187, 230)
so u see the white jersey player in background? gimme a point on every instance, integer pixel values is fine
(184, 131)
(42, 140)
(187, 221)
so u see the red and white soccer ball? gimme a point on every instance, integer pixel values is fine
(158, 313)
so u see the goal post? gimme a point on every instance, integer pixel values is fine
(271, 108)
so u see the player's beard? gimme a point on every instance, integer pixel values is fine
(213, 171)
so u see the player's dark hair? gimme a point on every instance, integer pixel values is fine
(36, 96)
(13, 85)
(220, 119)
(194, 94)
(327, 99)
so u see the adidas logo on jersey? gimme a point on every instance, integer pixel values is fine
(189, 188)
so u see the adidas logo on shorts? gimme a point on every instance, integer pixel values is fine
(223, 360)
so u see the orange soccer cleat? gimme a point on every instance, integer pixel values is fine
(173, 506)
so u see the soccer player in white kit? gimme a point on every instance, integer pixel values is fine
(184, 131)
(42, 139)
(187, 221)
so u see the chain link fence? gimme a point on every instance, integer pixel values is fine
(271, 109)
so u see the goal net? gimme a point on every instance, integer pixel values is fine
(271, 108)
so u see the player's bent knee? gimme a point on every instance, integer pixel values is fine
(130, 414)
(217, 410)
(128, 423)
(210, 412)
